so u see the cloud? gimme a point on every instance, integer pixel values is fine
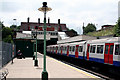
(73, 13)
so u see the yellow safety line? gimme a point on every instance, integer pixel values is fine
(75, 69)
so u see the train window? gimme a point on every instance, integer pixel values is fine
(62, 48)
(111, 49)
(100, 49)
(73, 48)
(117, 49)
(106, 49)
(65, 48)
(70, 48)
(92, 48)
(80, 48)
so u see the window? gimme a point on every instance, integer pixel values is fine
(70, 48)
(73, 48)
(99, 49)
(111, 49)
(53, 33)
(106, 49)
(60, 49)
(117, 49)
(92, 48)
(65, 48)
(80, 48)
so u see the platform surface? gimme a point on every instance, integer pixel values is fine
(24, 68)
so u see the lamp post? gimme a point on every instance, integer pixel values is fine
(36, 61)
(33, 51)
(44, 9)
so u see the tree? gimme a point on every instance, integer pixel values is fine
(89, 28)
(1, 24)
(7, 34)
(117, 28)
(15, 27)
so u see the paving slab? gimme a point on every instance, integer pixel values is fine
(24, 68)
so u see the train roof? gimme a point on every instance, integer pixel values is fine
(76, 39)
(77, 43)
(106, 40)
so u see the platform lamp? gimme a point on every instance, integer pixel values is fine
(44, 9)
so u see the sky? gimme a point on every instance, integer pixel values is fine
(71, 12)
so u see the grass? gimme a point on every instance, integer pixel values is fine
(105, 32)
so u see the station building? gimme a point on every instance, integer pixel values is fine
(26, 42)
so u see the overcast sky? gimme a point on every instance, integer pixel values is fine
(71, 12)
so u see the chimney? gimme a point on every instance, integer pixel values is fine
(39, 21)
(48, 20)
(58, 21)
(28, 27)
(59, 26)
(28, 19)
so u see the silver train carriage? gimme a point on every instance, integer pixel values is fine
(106, 51)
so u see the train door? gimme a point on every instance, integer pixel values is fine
(76, 51)
(108, 54)
(88, 47)
(67, 50)
(61, 49)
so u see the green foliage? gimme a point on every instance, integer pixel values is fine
(14, 27)
(117, 28)
(8, 39)
(105, 32)
(7, 34)
(1, 24)
(18, 27)
(89, 28)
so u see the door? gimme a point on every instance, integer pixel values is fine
(76, 51)
(61, 49)
(108, 54)
(67, 50)
(88, 48)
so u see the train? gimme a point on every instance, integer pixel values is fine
(104, 51)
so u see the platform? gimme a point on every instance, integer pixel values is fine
(24, 68)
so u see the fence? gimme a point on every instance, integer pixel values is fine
(7, 52)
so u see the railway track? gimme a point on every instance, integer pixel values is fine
(92, 70)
